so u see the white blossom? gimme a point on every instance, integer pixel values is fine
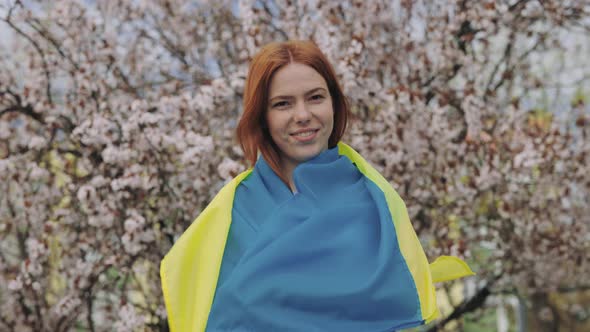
(229, 168)
(37, 142)
(129, 319)
(470, 112)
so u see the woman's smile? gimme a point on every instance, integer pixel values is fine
(300, 114)
(305, 135)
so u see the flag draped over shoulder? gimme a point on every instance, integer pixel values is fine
(340, 254)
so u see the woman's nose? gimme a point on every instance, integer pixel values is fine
(302, 113)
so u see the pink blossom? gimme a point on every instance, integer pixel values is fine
(117, 128)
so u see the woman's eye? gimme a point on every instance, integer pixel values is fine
(317, 97)
(280, 104)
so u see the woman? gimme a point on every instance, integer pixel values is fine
(312, 238)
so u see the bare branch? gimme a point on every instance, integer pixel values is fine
(505, 57)
(26, 110)
(469, 305)
(37, 26)
(41, 54)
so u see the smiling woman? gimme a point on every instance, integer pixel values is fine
(312, 238)
(289, 77)
(300, 117)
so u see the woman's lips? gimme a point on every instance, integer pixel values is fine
(305, 135)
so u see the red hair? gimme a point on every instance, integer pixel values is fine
(252, 131)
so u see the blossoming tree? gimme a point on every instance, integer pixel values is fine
(117, 118)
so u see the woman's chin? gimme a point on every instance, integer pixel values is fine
(306, 153)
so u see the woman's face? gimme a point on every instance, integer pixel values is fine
(300, 116)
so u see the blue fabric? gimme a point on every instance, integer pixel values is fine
(323, 259)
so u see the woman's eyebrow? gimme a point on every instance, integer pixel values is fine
(312, 91)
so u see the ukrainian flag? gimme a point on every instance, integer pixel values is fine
(190, 271)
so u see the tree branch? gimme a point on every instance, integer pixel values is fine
(41, 54)
(507, 52)
(45, 34)
(477, 301)
(26, 110)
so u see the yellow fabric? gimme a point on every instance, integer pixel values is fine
(446, 268)
(409, 244)
(190, 270)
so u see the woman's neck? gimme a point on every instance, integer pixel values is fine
(287, 169)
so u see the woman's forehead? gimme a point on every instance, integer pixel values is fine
(295, 79)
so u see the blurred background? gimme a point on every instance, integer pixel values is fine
(116, 129)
